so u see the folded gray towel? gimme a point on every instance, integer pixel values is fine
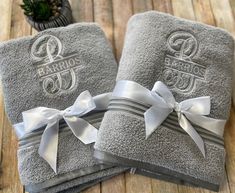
(50, 70)
(193, 60)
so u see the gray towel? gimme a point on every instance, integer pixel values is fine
(51, 69)
(193, 60)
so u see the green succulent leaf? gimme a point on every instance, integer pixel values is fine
(39, 10)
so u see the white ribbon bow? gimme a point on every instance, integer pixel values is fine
(36, 118)
(163, 103)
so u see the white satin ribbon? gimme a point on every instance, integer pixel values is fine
(162, 103)
(36, 118)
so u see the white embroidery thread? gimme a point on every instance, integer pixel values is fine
(180, 72)
(56, 73)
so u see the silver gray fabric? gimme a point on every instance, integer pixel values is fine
(193, 60)
(51, 69)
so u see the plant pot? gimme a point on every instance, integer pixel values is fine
(65, 18)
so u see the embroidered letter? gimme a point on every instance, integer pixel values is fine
(180, 72)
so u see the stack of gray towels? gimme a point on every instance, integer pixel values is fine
(51, 70)
(165, 106)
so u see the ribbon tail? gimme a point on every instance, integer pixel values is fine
(82, 129)
(83, 104)
(102, 101)
(20, 130)
(184, 123)
(154, 118)
(197, 106)
(161, 89)
(49, 144)
(215, 126)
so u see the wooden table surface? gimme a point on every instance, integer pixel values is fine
(113, 15)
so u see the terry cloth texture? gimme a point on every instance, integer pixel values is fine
(51, 69)
(193, 60)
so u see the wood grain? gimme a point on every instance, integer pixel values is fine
(82, 10)
(138, 184)
(163, 6)
(232, 4)
(112, 16)
(223, 15)
(9, 177)
(183, 8)
(103, 15)
(224, 18)
(122, 11)
(114, 185)
(230, 144)
(2, 116)
(142, 6)
(19, 26)
(159, 186)
(200, 14)
(93, 189)
(225, 186)
(5, 25)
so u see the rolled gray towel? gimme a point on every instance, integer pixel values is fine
(193, 60)
(50, 70)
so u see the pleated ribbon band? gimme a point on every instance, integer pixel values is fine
(36, 118)
(159, 107)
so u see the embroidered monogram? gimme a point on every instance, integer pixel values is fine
(180, 72)
(57, 73)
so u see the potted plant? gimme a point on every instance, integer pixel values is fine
(43, 14)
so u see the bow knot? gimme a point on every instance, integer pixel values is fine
(177, 107)
(162, 103)
(190, 110)
(36, 118)
(62, 113)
